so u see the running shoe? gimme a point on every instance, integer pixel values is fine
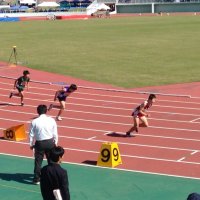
(58, 118)
(128, 134)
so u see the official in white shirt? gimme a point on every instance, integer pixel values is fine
(43, 137)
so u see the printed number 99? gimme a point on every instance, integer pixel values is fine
(105, 153)
(115, 154)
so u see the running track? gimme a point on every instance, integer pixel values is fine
(169, 146)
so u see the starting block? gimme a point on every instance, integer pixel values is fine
(15, 133)
(109, 155)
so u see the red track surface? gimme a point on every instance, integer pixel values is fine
(169, 146)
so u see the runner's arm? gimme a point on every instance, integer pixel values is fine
(27, 84)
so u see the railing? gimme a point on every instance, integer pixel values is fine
(156, 1)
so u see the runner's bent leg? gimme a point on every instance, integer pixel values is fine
(62, 108)
(144, 122)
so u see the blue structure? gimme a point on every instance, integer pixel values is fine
(9, 19)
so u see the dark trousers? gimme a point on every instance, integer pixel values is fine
(41, 148)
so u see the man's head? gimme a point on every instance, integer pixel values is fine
(42, 109)
(56, 154)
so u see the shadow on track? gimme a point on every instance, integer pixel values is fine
(114, 134)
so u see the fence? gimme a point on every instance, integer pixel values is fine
(156, 7)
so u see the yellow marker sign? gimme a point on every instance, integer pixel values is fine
(15, 133)
(109, 155)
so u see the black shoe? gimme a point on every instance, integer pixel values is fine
(11, 94)
(128, 134)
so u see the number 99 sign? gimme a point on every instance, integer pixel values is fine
(109, 155)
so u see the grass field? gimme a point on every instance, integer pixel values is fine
(127, 52)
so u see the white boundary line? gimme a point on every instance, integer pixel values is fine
(117, 169)
(123, 155)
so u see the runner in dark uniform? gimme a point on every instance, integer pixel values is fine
(62, 95)
(20, 85)
(140, 114)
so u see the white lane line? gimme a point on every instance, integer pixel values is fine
(84, 105)
(194, 152)
(133, 144)
(113, 96)
(15, 120)
(110, 131)
(194, 120)
(112, 115)
(91, 138)
(140, 157)
(104, 114)
(181, 159)
(104, 95)
(114, 102)
(104, 122)
(107, 89)
(107, 107)
(124, 155)
(120, 143)
(87, 105)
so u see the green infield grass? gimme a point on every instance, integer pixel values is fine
(127, 52)
(88, 183)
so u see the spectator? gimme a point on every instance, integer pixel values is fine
(43, 131)
(54, 177)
